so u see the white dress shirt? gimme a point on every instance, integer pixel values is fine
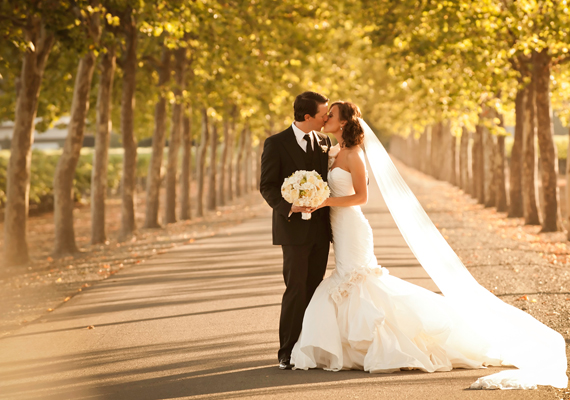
(299, 135)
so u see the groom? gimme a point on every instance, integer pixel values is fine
(305, 243)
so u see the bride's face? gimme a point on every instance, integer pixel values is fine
(333, 123)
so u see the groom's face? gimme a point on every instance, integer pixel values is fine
(320, 118)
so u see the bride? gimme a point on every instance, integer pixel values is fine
(361, 317)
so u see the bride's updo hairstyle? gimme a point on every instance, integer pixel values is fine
(352, 132)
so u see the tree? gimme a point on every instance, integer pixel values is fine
(211, 200)
(32, 27)
(180, 58)
(102, 139)
(128, 63)
(158, 138)
(65, 170)
(186, 174)
(201, 163)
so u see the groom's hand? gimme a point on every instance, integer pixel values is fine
(295, 209)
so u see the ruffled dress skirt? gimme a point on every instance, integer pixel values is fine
(363, 318)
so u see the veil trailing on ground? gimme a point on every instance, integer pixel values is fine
(513, 336)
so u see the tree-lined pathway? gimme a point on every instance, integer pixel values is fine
(201, 322)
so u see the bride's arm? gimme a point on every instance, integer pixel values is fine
(355, 160)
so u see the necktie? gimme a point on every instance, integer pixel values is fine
(309, 146)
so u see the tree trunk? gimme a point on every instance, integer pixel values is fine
(530, 209)
(568, 189)
(453, 155)
(223, 165)
(478, 165)
(545, 132)
(515, 168)
(500, 181)
(424, 155)
(175, 136)
(247, 168)
(155, 166)
(464, 181)
(129, 175)
(186, 175)
(65, 170)
(101, 156)
(239, 163)
(258, 157)
(18, 173)
(230, 161)
(211, 204)
(201, 164)
(435, 151)
(489, 160)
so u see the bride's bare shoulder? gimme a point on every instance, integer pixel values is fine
(355, 154)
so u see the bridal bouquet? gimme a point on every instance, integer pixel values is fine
(305, 189)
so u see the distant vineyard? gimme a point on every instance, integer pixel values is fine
(43, 168)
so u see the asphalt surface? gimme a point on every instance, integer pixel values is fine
(201, 322)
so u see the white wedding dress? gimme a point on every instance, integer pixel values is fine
(361, 317)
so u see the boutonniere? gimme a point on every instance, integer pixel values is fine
(325, 148)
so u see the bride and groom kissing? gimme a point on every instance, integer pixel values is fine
(361, 317)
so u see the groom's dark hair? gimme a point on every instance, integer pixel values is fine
(307, 103)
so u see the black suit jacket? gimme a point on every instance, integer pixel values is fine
(281, 157)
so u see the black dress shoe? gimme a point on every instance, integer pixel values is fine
(285, 363)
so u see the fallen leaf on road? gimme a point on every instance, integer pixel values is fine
(90, 327)
(525, 298)
(67, 298)
(50, 309)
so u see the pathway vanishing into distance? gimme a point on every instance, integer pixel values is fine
(201, 322)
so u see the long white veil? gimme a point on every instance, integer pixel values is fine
(514, 336)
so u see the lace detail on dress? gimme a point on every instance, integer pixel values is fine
(357, 276)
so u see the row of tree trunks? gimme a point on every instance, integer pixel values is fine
(482, 173)
(18, 174)
(65, 170)
(129, 174)
(242, 178)
(102, 139)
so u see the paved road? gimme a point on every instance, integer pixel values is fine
(201, 322)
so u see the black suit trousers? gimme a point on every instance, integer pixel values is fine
(304, 267)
